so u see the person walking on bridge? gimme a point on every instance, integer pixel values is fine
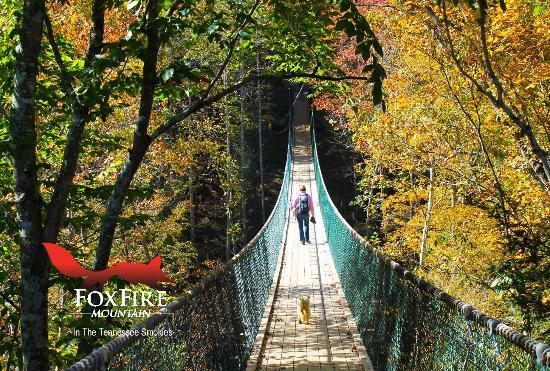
(303, 207)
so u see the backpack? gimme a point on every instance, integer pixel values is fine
(303, 206)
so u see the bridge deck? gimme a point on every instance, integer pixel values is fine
(330, 341)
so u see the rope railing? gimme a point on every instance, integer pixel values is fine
(214, 325)
(407, 323)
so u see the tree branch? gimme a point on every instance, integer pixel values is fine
(203, 102)
(97, 31)
(10, 302)
(173, 8)
(525, 128)
(485, 50)
(455, 58)
(477, 128)
(66, 78)
(232, 43)
(80, 116)
(141, 141)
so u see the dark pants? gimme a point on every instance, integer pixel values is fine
(303, 226)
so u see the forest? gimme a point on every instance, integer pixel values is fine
(130, 129)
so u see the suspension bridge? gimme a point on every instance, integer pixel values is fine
(368, 312)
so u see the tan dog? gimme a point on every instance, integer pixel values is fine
(304, 310)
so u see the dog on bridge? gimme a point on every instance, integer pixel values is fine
(304, 309)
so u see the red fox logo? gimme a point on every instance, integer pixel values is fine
(148, 274)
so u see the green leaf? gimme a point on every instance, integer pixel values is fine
(212, 28)
(378, 47)
(377, 92)
(538, 10)
(245, 34)
(167, 74)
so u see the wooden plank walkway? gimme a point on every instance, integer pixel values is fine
(330, 341)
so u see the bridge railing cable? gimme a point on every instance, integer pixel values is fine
(214, 325)
(407, 323)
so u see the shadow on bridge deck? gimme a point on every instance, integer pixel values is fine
(330, 341)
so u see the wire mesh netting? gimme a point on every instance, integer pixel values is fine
(407, 324)
(215, 325)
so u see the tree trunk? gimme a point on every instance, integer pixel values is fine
(527, 131)
(140, 143)
(80, 116)
(229, 191)
(532, 168)
(498, 184)
(116, 201)
(453, 195)
(96, 31)
(58, 202)
(428, 213)
(243, 163)
(22, 130)
(369, 200)
(260, 140)
(383, 228)
(192, 199)
(412, 204)
(354, 180)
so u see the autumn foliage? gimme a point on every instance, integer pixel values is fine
(478, 227)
